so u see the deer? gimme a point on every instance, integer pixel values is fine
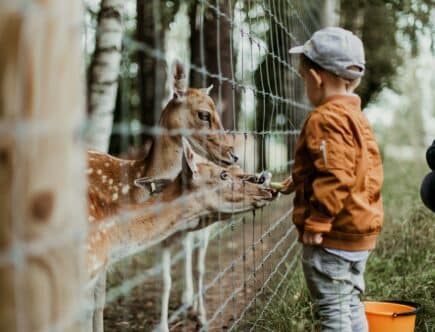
(201, 188)
(134, 181)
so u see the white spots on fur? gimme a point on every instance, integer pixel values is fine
(99, 172)
(125, 189)
(138, 174)
(104, 178)
(110, 181)
(91, 218)
(89, 171)
(106, 164)
(114, 197)
(92, 207)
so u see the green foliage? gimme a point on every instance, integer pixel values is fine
(380, 24)
(402, 266)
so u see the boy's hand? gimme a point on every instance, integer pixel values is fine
(312, 238)
(285, 187)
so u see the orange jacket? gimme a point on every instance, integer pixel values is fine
(338, 176)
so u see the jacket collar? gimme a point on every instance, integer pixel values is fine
(352, 100)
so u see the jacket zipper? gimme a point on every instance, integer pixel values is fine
(323, 151)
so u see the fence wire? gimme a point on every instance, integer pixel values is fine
(250, 256)
(242, 48)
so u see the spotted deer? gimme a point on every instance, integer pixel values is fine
(121, 182)
(201, 188)
(189, 109)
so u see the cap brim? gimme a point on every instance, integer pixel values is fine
(296, 50)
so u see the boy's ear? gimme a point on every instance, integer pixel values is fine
(316, 76)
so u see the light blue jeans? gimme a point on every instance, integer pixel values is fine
(335, 285)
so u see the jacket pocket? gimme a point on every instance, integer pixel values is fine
(328, 155)
(331, 265)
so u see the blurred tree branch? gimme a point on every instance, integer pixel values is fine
(379, 23)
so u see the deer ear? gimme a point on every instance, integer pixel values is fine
(189, 167)
(207, 90)
(179, 80)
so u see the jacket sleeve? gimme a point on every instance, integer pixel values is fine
(331, 148)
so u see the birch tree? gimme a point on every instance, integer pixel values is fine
(103, 74)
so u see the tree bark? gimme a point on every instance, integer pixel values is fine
(42, 201)
(150, 30)
(211, 48)
(103, 74)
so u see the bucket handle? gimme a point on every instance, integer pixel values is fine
(417, 309)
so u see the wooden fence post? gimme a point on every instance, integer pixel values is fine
(42, 161)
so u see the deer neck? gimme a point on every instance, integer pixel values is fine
(164, 159)
(169, 213)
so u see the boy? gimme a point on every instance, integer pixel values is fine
(337, 178)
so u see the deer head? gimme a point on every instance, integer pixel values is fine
(201, 188)
(193, 109)
(225, 190)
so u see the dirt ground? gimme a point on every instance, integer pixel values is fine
(243, 249)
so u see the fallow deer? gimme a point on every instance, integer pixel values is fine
(119, 179)
(201, 188)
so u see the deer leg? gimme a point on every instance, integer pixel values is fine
(166, 263)
(99, 300)
(188, 274)
(205, 234)
(90, 309)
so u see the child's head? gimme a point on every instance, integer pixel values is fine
(331, 62)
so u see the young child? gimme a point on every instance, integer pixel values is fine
(337, 179)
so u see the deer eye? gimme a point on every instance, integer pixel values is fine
(204, 116)
(224, 175)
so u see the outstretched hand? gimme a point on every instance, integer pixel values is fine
(285, 187)
(312, 238)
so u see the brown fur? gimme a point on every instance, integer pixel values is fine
(200, 189)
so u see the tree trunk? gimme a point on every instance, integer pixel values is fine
(103, 74)
(211, 48)
(42, 201)
(152, 75)
(330, 13)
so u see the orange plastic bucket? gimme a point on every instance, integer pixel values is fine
(391, 316)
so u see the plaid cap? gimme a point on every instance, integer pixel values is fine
(335, 49)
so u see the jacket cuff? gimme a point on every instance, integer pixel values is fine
(318, 224)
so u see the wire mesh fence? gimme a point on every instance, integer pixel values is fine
(184, 247)
(241, 48)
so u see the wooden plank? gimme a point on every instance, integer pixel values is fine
(42, 161)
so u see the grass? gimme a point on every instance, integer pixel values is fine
(401, 267)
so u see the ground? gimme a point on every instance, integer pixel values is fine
(139, 310)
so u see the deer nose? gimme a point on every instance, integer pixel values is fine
(265, 178)
(235, 158)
